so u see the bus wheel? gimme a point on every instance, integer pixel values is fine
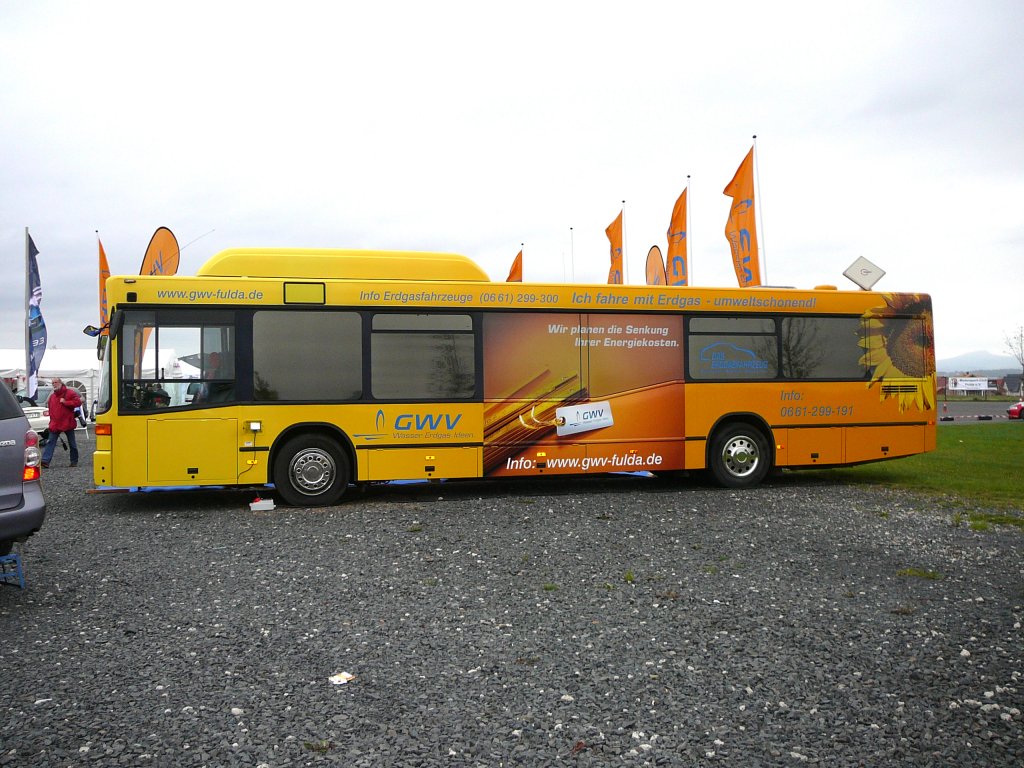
(311, 471)
(739, 456)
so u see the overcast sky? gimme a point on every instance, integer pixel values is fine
(893, 131)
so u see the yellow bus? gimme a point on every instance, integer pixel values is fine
(314, 370)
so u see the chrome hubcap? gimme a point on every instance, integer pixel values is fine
(740, 456)
(312, 471)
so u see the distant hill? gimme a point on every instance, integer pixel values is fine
(981, 362)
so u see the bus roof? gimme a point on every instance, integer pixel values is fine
(343, 264)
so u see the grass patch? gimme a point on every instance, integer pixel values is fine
(977, 464)
(920, 573)
(987, 519)
(991, 398)
(320, 747)
(549, 587)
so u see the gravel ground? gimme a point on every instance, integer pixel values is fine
(615, 621)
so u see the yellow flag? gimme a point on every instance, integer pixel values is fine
(515, 275)
(678, 261)
(614, 232)
(740, 229)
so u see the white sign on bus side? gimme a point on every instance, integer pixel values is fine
(583, 418)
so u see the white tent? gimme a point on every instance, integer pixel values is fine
(171, 367)
(78, 368)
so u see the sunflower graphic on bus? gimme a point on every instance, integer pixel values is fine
(899, 348)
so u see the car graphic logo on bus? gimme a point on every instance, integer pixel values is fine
(412, 423)
(725, 356)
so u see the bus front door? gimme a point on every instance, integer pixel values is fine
(192, 451)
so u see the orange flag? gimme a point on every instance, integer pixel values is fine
(614, 232)
(104, 274)
(515, 275)
(162, 254)
(161, 259)
(678, 263)
(740, 230)
(655, 267)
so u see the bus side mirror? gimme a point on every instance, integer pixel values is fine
(101, 338)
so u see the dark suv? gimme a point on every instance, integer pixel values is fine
(22, 507)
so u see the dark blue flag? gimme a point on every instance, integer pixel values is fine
(36, 326)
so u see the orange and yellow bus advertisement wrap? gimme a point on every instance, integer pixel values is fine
(571, 393)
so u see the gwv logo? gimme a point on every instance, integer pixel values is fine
(429, 422)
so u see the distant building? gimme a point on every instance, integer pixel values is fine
(1013, 384)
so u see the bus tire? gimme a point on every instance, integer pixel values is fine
(311, 471)
(739, 456)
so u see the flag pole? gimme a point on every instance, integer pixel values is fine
(760, 224)
(99, 265)
(689, 239)
(572, 257)
(625, 261)
(28, 335)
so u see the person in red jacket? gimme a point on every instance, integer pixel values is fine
(62, 405)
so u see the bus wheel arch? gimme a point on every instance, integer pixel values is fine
(312, 465)
(740, 451)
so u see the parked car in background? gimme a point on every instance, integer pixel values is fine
(35, 410)
(43, 392)
(22, 507)
(1016, 411)
(38, 419)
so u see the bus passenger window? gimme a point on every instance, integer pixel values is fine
(823, 348)
(423, 357)
(291, 363)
